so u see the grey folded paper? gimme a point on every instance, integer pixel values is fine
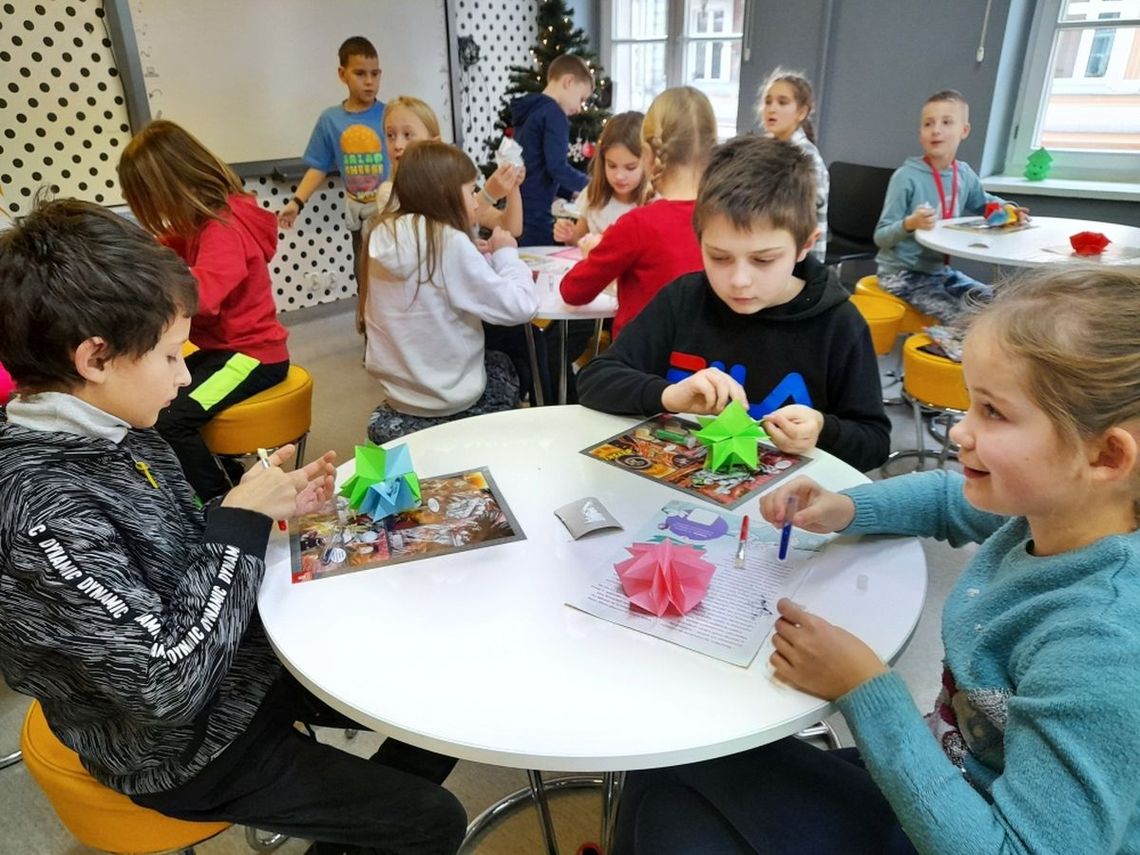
(584, 516)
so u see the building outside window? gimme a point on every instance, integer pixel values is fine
(650, 45)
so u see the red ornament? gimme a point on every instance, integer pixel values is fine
(509, 132)
(587, 149)
(1088, 243)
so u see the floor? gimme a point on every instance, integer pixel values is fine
(323, 341)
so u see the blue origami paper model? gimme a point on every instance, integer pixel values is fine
(384, 483)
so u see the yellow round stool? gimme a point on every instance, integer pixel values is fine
(933, 385)
(883, 317)
(274, 417)
(97, 816)
(913, 320)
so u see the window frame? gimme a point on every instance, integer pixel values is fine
(1030, 106)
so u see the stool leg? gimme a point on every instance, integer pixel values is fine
(612, 783)
(10, 759)
(919, 442)
(299, 460)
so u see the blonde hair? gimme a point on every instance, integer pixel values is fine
(419, 109)
(623, 129)
(680, 130)
(1074, 330)
(801, 92)
(172, 182)
(429, 186)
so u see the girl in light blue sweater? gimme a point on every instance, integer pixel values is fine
(1034, 745)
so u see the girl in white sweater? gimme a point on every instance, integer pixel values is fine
(429, 289)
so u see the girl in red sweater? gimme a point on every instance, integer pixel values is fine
(195, 204)
(650, 246)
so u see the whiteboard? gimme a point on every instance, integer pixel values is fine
(249, 78)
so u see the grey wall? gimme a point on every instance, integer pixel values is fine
(874, 62)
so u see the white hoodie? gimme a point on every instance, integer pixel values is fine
(425, 340)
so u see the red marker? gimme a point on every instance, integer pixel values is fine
(743, 540)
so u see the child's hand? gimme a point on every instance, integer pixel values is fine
(820, 658)
(504, 179)
(482, 245)
(1022, 214)
(500, 238)
(280, 494)
(795, 428)
(923, 217)
(588, 242)
(288, 215)
(818, 510)
(707, 391)
(564, 230)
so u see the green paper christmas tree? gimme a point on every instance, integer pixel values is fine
(1038, 166)
(556, 35)
(731, 438)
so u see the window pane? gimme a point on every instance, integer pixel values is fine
(1093, 99)
(638, 73)
(714, 68)
(1087, 10)
(705, 17)
(641, 19)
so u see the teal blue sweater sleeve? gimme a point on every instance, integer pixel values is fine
(926, 504)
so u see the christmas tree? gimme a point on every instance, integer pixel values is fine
(556, 35)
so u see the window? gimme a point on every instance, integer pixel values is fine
(1080, 95)
(650, 45)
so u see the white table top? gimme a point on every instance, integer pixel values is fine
(1044, 244)
(475, 654)
(550, 303)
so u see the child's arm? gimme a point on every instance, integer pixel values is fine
(629, 377)
(974, 196)
(504, 182)
(897, 221)
(618, 250)
(499, 293)
(309, 183)
(555, 145)
(220, 266)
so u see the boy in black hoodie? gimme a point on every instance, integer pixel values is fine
(765, 324)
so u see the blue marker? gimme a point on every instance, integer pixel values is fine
(786, 533)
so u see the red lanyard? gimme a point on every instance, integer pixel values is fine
(947, 210)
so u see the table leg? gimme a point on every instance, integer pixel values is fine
(534, 777)
(563, 367)
(536, 378)
(612, 783)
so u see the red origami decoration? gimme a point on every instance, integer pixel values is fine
(1088, 243)
(665, 575)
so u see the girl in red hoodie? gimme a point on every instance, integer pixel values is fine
(195, 204)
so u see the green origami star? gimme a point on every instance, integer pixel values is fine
(731, 438)
(374, 465)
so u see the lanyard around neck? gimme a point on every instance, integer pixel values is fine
(947, 210)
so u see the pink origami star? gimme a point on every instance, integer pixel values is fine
(665, 575)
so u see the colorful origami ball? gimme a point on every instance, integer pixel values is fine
(665, 576)
(1001, 215)
(1088, 243)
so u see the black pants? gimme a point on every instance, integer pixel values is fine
(180, 424)
(276, 778)
(786, 798)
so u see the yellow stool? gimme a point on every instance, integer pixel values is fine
(933, 385)
(883, 317)
(913, 320)
(97, 816)
(274, 417)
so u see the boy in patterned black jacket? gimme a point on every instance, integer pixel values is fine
(129, 612)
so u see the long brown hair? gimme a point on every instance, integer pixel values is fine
(680, 129)
(172, 182)
(429, 185)
(623, 129)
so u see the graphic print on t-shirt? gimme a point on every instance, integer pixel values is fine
(792, 388)
(362, 162)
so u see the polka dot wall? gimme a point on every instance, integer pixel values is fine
(64, 122)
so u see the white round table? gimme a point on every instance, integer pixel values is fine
(1047, 242)
(475, 654)
(550, 264)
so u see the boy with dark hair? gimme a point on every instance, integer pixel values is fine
(922, 191)
(128, 611)
(541, 127)
(348, 137)
(765, 323)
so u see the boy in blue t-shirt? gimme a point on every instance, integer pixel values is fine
(922, 191)
(542, 129)
(348, 137)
